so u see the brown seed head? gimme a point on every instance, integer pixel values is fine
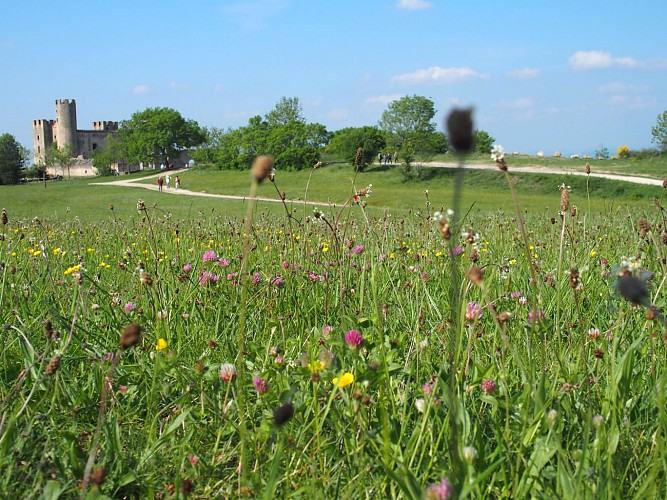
(564, 199)
(261, 168)
(503, 317)
(48, 329)
(460, 129)
(52, 367)
(130, 336)
(359, 156)
(476, 275)
(574, 278)
(652, 312)
(97, 476)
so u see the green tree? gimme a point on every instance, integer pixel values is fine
(56, 157)
(111, 154)
(345, 142)
(483, 142)
(13, 158)
(409, 127)
(659, 132)
(282, 133)
(158, 135)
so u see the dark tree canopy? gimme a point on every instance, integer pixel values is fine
(12, 160)
(158, 135)
(345, 142)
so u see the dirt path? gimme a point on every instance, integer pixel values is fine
(545, 170)
(137, 183)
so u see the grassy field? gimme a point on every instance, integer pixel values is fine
(383, 349)
(482, 190)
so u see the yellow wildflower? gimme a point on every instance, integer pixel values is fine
(316, 366)
(161, 344)
(346, 379)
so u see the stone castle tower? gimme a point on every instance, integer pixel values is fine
(63, 132)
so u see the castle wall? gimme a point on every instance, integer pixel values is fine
(66, 125)
(90, 140)
(42, 138)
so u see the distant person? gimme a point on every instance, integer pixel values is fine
(380, 157)
(160, 181)
(395, 157)
(168, 181)
(177, 182)
(386, 158)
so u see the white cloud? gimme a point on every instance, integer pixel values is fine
(594, 59)
(436, 74)
(524, 73)
(382, 99)
(141, 89)
(520, 103)
(413, 4)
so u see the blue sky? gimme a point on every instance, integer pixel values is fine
(542, 75)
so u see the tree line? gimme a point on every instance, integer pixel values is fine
(406, 131)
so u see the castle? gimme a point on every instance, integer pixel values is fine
(63, 132)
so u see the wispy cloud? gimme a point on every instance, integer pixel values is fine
(619, 87)
(141, 89)
(631, 101)
(437, 75)
(253, 14)
(595, 59)
(519, 103)
(382, 99)
(413, 4)
(523, 74)
(179, 86)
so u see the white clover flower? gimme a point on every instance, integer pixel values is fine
(497, 153)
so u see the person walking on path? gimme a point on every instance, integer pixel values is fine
(168, 181)
(160, 181)
(177, 182)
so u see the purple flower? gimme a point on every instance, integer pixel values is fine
(439, 491)
(256, 278)
(223, 262)
(260, 385)
(489, 386)
(353, 339)
(232, 276)
(129, 307)
(457, 250)
(187, 268)
(358, 249)
(207, 278)
(473, 311)
(285, 264)
(535, 315)
(278, 281)
(209, 256)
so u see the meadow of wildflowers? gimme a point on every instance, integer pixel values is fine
(335, 355)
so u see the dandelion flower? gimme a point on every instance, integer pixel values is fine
(161, 344)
